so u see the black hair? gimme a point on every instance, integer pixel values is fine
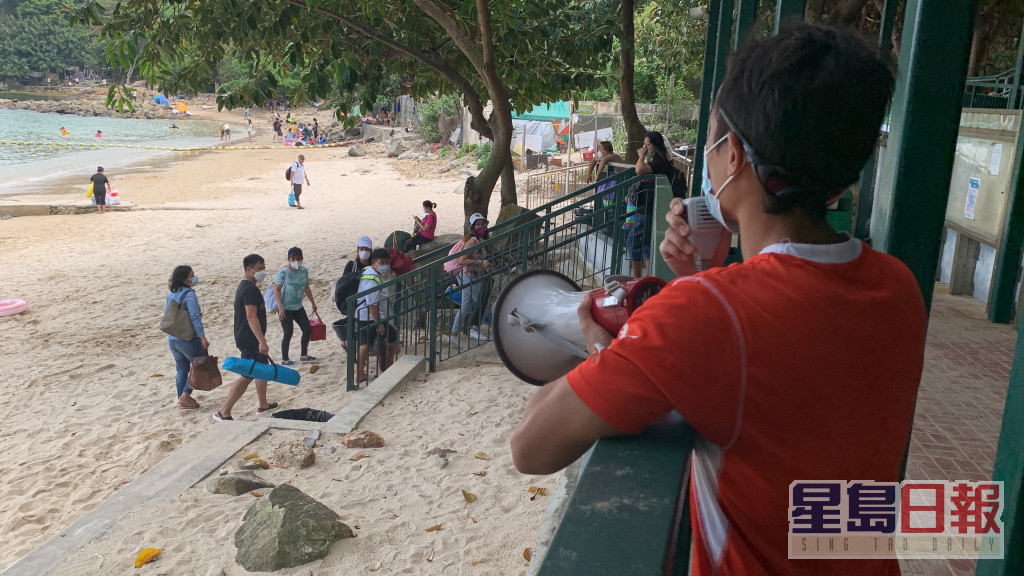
(658, 141)
(251, 260)
(429, 204)
(380, 254)
(607, 146)
(809, 102)
(179, 278)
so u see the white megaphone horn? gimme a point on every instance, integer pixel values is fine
(536, 326)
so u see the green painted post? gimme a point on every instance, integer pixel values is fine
(866, 185)
(1009, 468)
(786, 10)
(706, 93)
(1015, 91)
(911, 199)
(434, 289)
(1004, 280)
(722, 42)
(662, 198)
(746, 16)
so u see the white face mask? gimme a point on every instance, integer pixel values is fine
(259, 276)
(364, 254)
(383, 269)
(295, 264)
(195, 280)
(711, 196)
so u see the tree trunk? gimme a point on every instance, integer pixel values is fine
(847, 13)
(979, 45)
(814, 10)
(635, 130)
(508, 184)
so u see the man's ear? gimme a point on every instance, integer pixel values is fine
(737, 156)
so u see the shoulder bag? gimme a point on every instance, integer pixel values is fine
(176, 321)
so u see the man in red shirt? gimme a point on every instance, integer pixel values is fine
(801, 363)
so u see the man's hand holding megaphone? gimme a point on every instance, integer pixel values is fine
(596, 336)
(678, 251)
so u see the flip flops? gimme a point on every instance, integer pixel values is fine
(220, 418)
(308, 359)
(269, 407)
(288, 363)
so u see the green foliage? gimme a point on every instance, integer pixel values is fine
(482, 150)
(444, 150)
(42, 44)
(431, 111)
(464, 150)
(41, 9)
(483, 160)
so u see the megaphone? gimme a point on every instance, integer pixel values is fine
(537, 330)
(705, 231)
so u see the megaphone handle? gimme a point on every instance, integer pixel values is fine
(540, 328)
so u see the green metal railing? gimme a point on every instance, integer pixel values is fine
(999, 91)
(580, 236)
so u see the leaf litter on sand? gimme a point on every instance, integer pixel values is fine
(434, 528)
(147, 556)
(537, 491)
(469, 496)
(481, 456)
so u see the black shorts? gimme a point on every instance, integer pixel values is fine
(366, 328)
(251, 354)
(297, 190)
(100, 197)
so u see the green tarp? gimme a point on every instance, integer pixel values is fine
(546, 112)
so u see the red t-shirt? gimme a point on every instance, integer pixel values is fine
(800, 364)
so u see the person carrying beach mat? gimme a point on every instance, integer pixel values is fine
(250, 335)
(371, 315)
(290, 286)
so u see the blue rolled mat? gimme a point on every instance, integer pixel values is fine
(268, 372)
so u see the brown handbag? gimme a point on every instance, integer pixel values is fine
(204, 375)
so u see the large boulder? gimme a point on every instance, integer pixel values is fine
(294, 455)
(357, 150)
(396, 148)
(236, 484)
(360, 438)
(286, 528)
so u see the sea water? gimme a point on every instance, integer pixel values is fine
(45, 168)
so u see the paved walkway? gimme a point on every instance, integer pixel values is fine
(960, 403)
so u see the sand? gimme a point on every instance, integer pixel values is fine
(389, 497)
(88, 397)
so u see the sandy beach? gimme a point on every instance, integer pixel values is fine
(88, 396)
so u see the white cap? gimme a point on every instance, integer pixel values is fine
(476, 216)
(365, 241)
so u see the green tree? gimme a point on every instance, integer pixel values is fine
(42, 44)
(514, 54)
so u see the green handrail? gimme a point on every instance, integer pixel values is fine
(537, 243)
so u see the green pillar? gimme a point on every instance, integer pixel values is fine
(866, 185)
(910, 203)
(706, 93)
(1009, 468)
(746, 16)
(1004, 280)
(787, 10)
(722, 42)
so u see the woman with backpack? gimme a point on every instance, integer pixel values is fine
(472, 267)
(425, 227)
(290, 286)
(181, 284)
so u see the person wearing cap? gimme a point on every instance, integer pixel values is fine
(363, 249)
(298, 176)
(372, 316)
(472, 267)
(100, 188)
(291, 285)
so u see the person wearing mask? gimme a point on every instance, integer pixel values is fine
(181, 285)
(250, 335)
(607, 155)
(652, 159)
(291, 285)
(363, 250)
(372, 313)
(426, 227)
(803, 361)
(472, 268)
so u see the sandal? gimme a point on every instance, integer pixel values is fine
(287, 363)
(269, 407)
(307, 359)
(190, 405)
(220, 418)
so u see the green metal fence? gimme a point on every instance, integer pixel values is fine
(580, 236)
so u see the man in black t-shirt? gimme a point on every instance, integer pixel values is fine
(250, 335)
(100, 187)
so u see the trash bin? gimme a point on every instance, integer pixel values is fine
(341, 329)
(308, 414)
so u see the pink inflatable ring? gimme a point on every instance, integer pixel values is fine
(12, 307)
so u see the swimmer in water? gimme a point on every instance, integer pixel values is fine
(173, 126)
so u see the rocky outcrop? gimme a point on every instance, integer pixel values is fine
(294, 455)
(286, 528)
(362, 439)
(236, 484)
(357, 150)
